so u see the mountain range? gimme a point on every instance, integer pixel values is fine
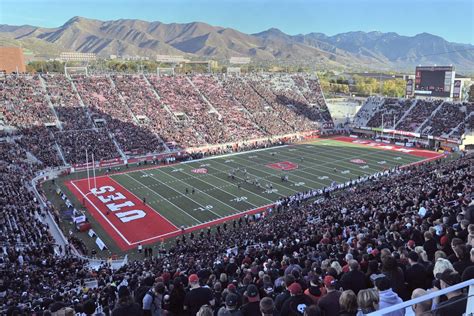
(197, 40)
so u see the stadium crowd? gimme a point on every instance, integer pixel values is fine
(345, 252)
(348, 252)
(429, 117)
(141, 113)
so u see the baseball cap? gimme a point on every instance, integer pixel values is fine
(252, 293)
(295, 288)
(193, 278)
(231, 299)
(449, 277)
(329, 280)
(411, 243)
(231, 287)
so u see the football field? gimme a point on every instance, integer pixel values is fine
(149, 205)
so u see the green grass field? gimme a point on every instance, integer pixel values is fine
(169, 189)
(218, 195)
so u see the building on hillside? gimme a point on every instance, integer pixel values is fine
(12, 60)
(76, 56)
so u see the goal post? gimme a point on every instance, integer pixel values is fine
(165, 71)
(75, 70)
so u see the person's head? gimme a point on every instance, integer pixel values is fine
(231, 301)
(193, 280)
(382, 283)
(205, 310)
(448, 278)
(295, 289)
(289, 279)
(413, 257)
(348, 301)
(440, 254)
(428, 235)
(312, 310)
(368, 300)
(223, 278)
(472, 255)
(159, 288)
(422, 307)
(252, 293)
(124, 294)
(353, 265)
(336, 266)
(329, 282)
(441, 265)
(267, 306)
(460, 251)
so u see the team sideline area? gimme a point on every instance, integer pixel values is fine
(146, 206)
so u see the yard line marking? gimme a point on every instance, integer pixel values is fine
(270, 175)
(259, 196)
(235, 154)
(186, 196)
(292, 174)
(215, 187)
(179, 208)
(130, 192)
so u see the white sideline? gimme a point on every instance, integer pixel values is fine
(235, 154)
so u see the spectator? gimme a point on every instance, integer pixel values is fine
(387, 297)
(348, 303)
(329, 303)
(267, 307)
(297, 303)
(354, 280)
(457, 300)
(231, 306)
(423, 308)
(152, 301)
(415, 274)
(125, 305)
(251, 296)
(197, 296)
(368, 301)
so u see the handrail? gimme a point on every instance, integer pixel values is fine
(423, 298)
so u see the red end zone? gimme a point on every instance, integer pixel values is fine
(129, 221)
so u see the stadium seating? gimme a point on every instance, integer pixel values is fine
(355, 231)
(406, 226)
(428, 117)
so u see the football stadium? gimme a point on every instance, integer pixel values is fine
(146, 172)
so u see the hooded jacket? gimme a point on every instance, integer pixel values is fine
(390, 298)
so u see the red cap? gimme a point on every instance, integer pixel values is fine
(295, 288)
(444, 240)
(411, 243)
(329, 280)
(231, 287)
(193, 278)
(375, 252)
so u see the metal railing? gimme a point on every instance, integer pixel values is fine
(432, 295)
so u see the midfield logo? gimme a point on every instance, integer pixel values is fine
(283, 165)
(199, 170)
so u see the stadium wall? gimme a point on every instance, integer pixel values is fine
(12, 60)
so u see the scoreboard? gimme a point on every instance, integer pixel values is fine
(434, 81)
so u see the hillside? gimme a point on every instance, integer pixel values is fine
(199, 40)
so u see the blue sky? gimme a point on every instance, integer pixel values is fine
(451, 19)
